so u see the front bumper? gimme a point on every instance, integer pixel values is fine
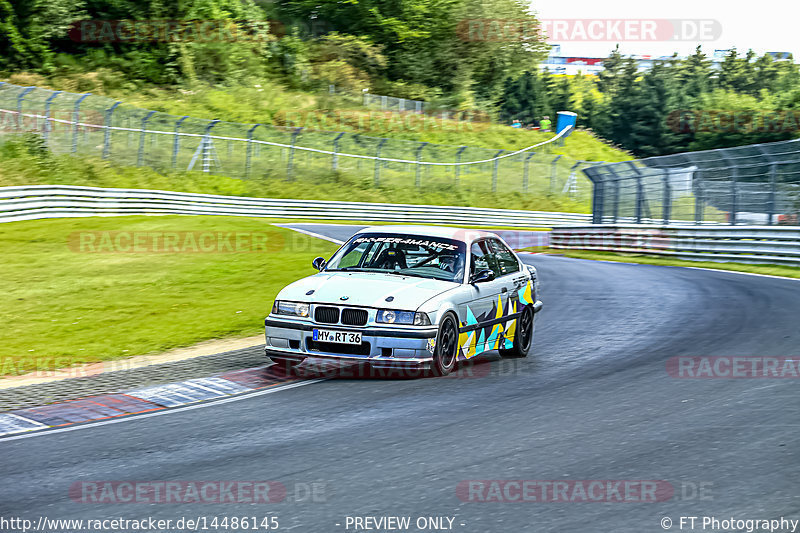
(381, 347)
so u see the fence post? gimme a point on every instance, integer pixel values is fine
(176, 140)
(20, 97)
(418, 106)
(249, 155)
(75, 120)
(597, 193)
(615, 208)
(140, 155)
(378, 161)
(698, 198)
(290, 164)
(494, 170)
(107, 134)
(773, 171)
(335, 160)
(734, 195)
(553, 174)
(383, 102)
(46, 125)
(525, 171)
(458, 160)
(401, 104)
(417, 181)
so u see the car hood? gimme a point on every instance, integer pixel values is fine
(367, 289)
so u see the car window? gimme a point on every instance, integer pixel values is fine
(483, 258)
(505, 258)
(409, 255)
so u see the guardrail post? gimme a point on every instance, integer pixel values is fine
(75, 120)
(107, 133)
(249, 156)
(494, 170)
(553, 174)
(458, 160)
(46, 125)
(773, 171)
(140, 155)
(335, 160)
(290, 164)
(377, 177)
(176, 140)
(417, 181)
(20, 97)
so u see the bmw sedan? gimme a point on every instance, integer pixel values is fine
(421, 297)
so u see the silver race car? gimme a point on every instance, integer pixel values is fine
(420, 297)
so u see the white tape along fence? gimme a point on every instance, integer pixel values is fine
(61, 201)
(738, 244)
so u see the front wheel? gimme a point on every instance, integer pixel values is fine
(446, 350)
(523, 340)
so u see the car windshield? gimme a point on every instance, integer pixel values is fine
(408, 255)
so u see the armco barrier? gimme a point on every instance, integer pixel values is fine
(62, 201)
(739, 244)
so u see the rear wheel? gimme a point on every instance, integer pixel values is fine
(523, 339)
(446, 350)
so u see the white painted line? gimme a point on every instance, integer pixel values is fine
(218, 385)
(312, 234)
(163, 412)
(11, 423)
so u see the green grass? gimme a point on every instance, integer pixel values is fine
(268, 102)
(65, 306)
(770, 270)
(24, 164)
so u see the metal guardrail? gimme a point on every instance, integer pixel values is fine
(63, 201)
(740, 244)
(754, 184)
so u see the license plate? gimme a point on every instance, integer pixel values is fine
(339, 337)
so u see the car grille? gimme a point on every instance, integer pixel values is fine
(354, 317)
(332, 347)
(327, 315)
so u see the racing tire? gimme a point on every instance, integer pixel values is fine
(523, 339)
(446, 351)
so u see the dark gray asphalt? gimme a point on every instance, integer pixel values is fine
(594, 402)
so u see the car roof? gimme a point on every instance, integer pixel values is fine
(459, 234)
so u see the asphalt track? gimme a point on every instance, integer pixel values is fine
(595, 402)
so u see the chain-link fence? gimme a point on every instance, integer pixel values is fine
(755, 184)
(89, 125)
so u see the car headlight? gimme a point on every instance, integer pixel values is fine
(290, 308)
(390, 316)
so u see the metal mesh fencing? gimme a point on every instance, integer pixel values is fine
(757, 184)
(96, 126)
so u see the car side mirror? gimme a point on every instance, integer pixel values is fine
(481, 276)
(318, 263)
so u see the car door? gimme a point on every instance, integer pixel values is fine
(513, 280)
(484, 303)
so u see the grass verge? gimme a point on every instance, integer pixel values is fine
(68, 303)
